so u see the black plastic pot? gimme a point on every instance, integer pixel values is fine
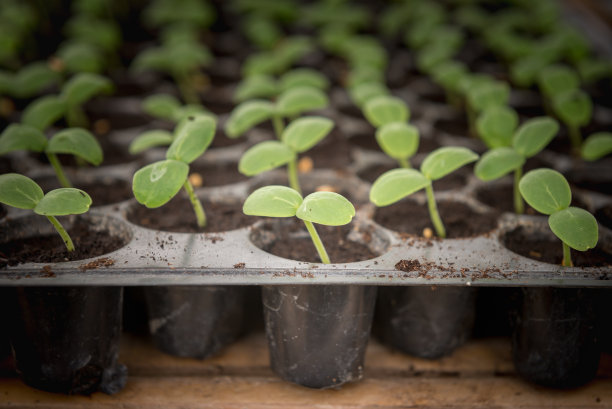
(428, 322)
(554, 342)
(317, 335)
(195, 322)
(66, 339)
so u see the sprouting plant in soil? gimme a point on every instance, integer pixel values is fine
(279, 59)
(155, 184)
(396, 184)
(596, 146)
(548, 192)
(301, 135)
(167, 107)
(267, 86)
(22, 192)
(29, 81)
(575, 109)
(327, 208)
(74, 141)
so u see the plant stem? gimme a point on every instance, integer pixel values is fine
(57, 167)
(433, 212)
(575, 136)
(404, 163)
(316, 240)
(279, 126)
(567, 256)
(471, 118)
(189, 94)
(292, 173)
(62, 232)
(197, 205)
(519, 206)
(76, 118)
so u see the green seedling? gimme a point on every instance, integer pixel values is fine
(161, 13)
(524, 71)
(596, 146)
(575, 109)
(592, 70)
(281, 11)
(528, 140)
(548, 192)
(262, 31)
(396, 184)
(364, 75)
(278, 60)
(448, 75)
(383, 110)
(556, 79)
(336, 13)
(155, 184)
(101, 33)
(496, 126)
(366, 91)
(266, 86)
(167, 107)
(22, 192)
(301, 135)
(327, 208)
(76, 56)
(31, 80)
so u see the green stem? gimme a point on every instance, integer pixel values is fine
(292, 173)
(433, 212)
(188, 92)
(57, 167)
(279, 126)
(62, 232)
(575, 136)
(519, 206)
(76, 118)
(404, 163)
(197, 205)
(567, 256)
(316, 240)
(471, 117)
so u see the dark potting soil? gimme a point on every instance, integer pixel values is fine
(604, 216)
(550, 251)
(457, 126)
(51, 249)
(3, 211)
(102, 192)
(460, 221)
(217, 174)
(178, 216)
(455, 180)
(334, 152)
(339, 248)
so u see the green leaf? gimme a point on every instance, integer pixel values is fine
(490, 94)
(78, 142)
(597, 146)
(399, 140)
(247, 115)
(157, 183)
(297, 100)
(448, 74)
(328, 208)
(386, 109)
(265, 156)
(396, 184)
(573, 107)
(445, 160)
(545, 190)
(184, 112)
(34, 78)
(256, 86)
(304, 77)
(304, 133)
(497, 163)
(17, 137)
(192, 138)
(79, 56)
(364, 92)
(84, 86)
(64, 201)
(556, 79)
(19, 191)
(534, 135)
(150, 139)
(44, 111)
(496, 125)
(161, 106)
(272, 201)
(575, 227)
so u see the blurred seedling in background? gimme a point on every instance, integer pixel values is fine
(596, 146)
(575, 109)
(267, 86)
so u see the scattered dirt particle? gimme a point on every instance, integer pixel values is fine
(101, 262)
(239, 265)
(408, 265)
(47, 272)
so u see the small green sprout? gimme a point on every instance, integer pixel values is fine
(524, 71)
(396, 184)
(327, 208)
(593, 69)
(266, 86)
(496, 125)
(556, 79)
(383, 110)
(548, 192)
(169, 108)
(155, 184)
(278, 60)
(74, 141)
(160, 13)
(448, 75)
(102, 33)
(76, 56)
(22, 192)
(29, 81)
(261, 31)
(363, 92)
(596, 146)
(575, 109)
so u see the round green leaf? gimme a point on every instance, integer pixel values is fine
(17, 137)
(595, 146)
(247, 115)
(304, 133)
(150, 139)
(161, 106)
(399, 140)
(556, 79)
(34, 78)
(496, 125)
(44, 112)
(301, 77)
(157, 183)
(83, 86)
(192, 137)
(272, 201)
(78, 142)
(497, 163)
(485, 95)
(64, 201)
(396, 184)
(545, 190)
(383, 110)
(295, 101)
(256, 86)
(534, 135)
(19, 191)
(573, 107)
(575, 227)
(445, 160)
(364, 92)
(265, 156)
(328, 208)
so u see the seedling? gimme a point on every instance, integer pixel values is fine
(74, 141)
(548, 192)
(261, 31)
(597, 146)
(278, 60)
(396, 184)
(266, 86)
(169, 108)
(155, 184)
(556, 79)
(574, 108)
(496, 126)
(160, 13)
(528, 140)
(383, 110)
(31, 80)
(76, 56)
(448, 75)
(301, 135)
(327, 208)
(363, 92)
(22, 192)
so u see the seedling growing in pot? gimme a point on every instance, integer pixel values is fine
(29, 81)
(548, 192)
(22, 192)
(169, 108)
(448, 75)
(597, 146)
(496, 126)
(155, 184)
(74, 141)
(396, 184)
(384, 110)
(556, 79)
(80, 89)
(266, 86)
(363, 92)
(574, 108)
(279, 60)
(327, 208)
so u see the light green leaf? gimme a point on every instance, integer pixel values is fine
(364, 92)
(445, 160)
(327, 208)
(265, 156)
(545, 190)
(184, 112)
(301, 77)
(399, 140)
(396, 184)
(304, 133)
(256, 86)
(597, 146)
(383, 110)
(17, 137)
(497, 163)
(297, 100)
(43, 112)
(534, 135)
(161, 106)
(64, 201)
(192, 138)
(157, 183)
(573, 107)
(496, 125)
(556, 79)
(575, 227)
(272, 201)
(150, 139)
(19, 191)
(78, 142)
(495, 93)
(84, 86)
(524, 71)
(34, 78)
(247, 115)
